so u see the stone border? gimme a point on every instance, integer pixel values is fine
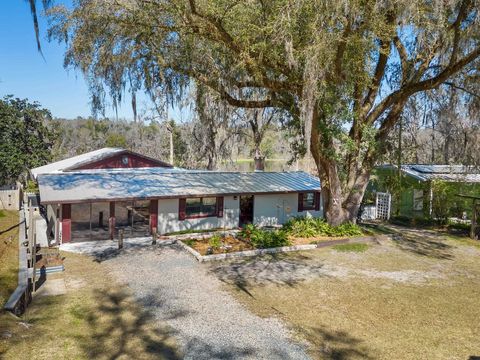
(283, 249)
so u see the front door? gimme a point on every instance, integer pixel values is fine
(246, 210)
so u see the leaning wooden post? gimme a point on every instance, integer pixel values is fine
(120, 239)
(154, 236)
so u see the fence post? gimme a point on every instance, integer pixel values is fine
(154, 236)
(120, 239)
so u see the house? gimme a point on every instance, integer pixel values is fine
(105, 158)
(427, 190)
(95, 202)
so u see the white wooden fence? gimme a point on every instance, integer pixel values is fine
(10, 199)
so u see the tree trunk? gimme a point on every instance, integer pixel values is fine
(339, 206)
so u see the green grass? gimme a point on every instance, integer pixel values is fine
(2, 214)
(463, 240)
(352, 247)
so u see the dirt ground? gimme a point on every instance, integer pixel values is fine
(414, 297)
(95, 318)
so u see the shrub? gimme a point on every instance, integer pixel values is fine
(463, 227)
(215, 241)
(311, 227)
(263, 239)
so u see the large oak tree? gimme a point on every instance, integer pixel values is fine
(343, 70)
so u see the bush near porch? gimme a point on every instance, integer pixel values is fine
(297, 231)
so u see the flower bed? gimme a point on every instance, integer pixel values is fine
(296, 234)
(218, 244)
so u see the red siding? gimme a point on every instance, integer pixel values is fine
(182, 209)
(115, 162)
(300, 202)
(66, 223)
(153, 214)
(220, 206)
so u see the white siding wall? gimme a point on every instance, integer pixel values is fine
(168, 217)
(276, 209)
(268, 210)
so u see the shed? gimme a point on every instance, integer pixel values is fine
(428, 190)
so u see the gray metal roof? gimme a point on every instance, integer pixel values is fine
(451, 173)
(148, 183)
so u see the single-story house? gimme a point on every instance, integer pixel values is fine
(427, 190)
(97, 202)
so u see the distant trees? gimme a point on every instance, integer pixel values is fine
(26, 139)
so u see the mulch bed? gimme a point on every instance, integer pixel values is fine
(230, 244)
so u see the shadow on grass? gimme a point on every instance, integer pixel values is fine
(423, 243)
(279, 269)
(117, 328)
(336, 345)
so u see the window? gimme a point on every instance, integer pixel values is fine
(201, 207)
(309, 201)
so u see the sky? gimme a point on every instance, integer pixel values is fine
(25, 74)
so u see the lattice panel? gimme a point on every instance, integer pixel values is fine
(383, 204)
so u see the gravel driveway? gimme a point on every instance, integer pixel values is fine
(207, 321)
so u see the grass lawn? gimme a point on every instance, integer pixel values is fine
(8, 254)
(95, 319)
(410, 298)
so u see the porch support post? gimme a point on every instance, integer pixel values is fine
(111, 220)
(66, 223)
(153, 214)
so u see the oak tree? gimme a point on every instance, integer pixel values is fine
(343, 70)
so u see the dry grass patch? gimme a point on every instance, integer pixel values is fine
(95, 319)
(8, 254)
(390, 302)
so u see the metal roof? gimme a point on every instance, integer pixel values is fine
(451, 173)
(148, 183)
(75, 161)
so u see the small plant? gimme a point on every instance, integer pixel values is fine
(189, 242)
(215, 242)
(354, 247)
(262, 239)
(32, 187)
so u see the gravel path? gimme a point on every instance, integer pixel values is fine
(207, 321)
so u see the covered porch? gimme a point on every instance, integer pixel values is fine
(104, 220)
